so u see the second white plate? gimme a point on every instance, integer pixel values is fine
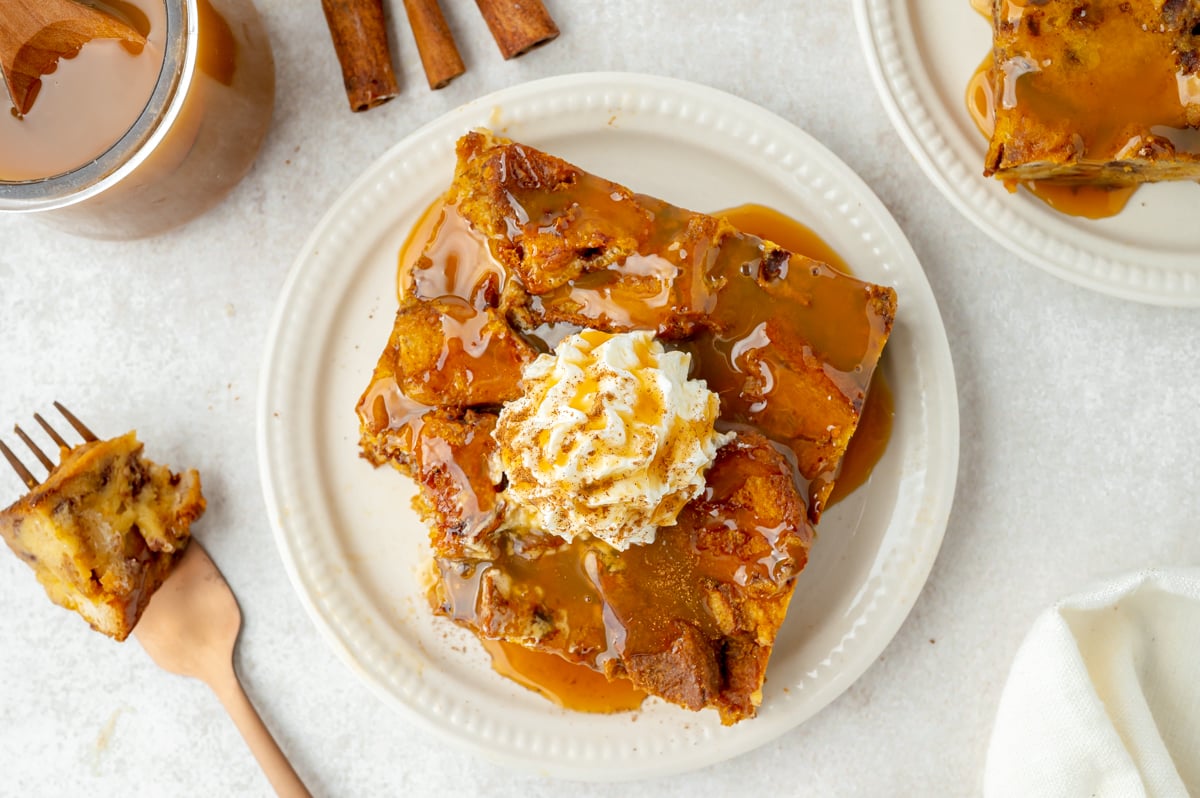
(353, 546)
(922, 53)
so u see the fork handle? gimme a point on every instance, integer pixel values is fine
(274, 764)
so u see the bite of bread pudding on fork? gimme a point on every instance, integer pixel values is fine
(104, 529)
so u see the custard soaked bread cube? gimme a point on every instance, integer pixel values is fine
(528, 250)
(1105, 92)
(104, 529)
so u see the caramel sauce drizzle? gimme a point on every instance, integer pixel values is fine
(740, 324)
(585, 576)
(875, 423)
(1124, 80)
(610, 612)
(1086, 201)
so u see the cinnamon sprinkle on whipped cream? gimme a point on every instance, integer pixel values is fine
(609, 438)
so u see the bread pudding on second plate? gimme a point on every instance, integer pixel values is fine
(1094, 96)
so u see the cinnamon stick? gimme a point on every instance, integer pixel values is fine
(360, 39)
(517, 25)
(435, 43)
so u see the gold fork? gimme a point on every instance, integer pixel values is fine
(30, 481)
(190, 626)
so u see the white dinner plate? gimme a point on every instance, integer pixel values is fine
(922, 53)
(353, 546)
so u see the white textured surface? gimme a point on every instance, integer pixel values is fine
(1079, 456)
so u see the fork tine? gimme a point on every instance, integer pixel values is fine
(18, 466)
(46, 461)
(53, 433)
(79, 426)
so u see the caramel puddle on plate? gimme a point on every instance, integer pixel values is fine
(570, 685)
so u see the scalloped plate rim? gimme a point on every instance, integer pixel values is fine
(938, 476)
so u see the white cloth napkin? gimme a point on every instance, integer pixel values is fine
(1104, 695)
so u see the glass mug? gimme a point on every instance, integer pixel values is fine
(195, 139)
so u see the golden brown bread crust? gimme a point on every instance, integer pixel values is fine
(104, 529)
(457, 492)
(1090, 91)
(538, 248)
(430, 364)
(574, 240)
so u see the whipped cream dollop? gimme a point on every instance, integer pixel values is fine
(609, 438)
